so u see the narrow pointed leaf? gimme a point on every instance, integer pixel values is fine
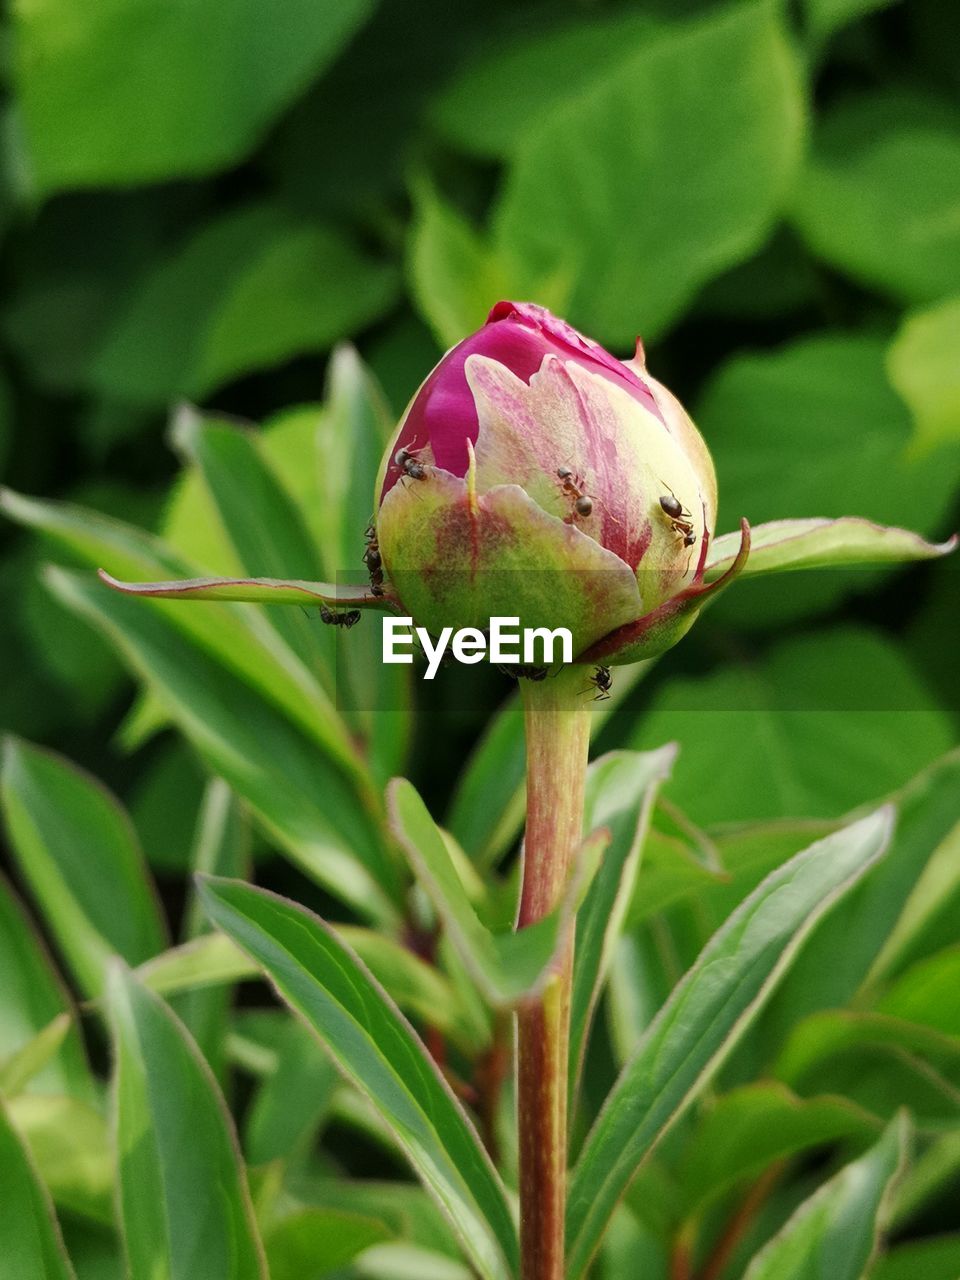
(17, 1070)
(822, 544)
(621, 788)
(509, 966)
(302, 797)
(77, 850)
(31, 1247)
(706, 1015)
(377, 1050)
(32, 997)
(184, 1204)
(835, 1232)
(255, 590)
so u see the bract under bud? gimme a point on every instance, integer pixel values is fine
(534, 474)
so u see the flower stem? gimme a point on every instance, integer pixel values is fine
(557, 726)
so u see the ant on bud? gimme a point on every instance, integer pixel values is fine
(371, 558)
(571, 486)
(410, 464)
(333, 619)
(601, 680)
(680, 519)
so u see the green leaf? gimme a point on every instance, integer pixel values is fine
(934, 1259)
(19, 1068)
(174, 1138)
(378, 1052)
(878, 197)
(752, 1127)
(835, 1231)
(545, 71)
(610, 173)
(705, 1016)
(77, 850)
(264, 526)
(922, 364)
(927, 992)
(621, 788)
(246, 292)
(453, 274)
(824, 17)
(293, 1100)
(507, 966)
(783, 545)
(30, 1242)
(32, 998)
(836, 966)
(70, 1147)
(315, 1242)
(301, 797)
(753, 735)
(100, 106)
(208, 961)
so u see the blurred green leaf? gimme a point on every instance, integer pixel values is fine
(132, 94)
(621, 788)
(924, 367)
(877, 199)
(174, 1137)
(628, 164)
(299, 794)
(824, 17)
(708, 1011)
(31, 999)
(290, 1104)
(823, 722)
(18, 1069)
(544, 71)
(264, 526)
(76, 848)
(454, 276)
(30, 1242)
(750, 1128)
(246, 292)
(377, 1050)
(835, 1232)
(928, 992)
(163, 805)
(816, 429)
(70, 1146)
(934, 1259)
(316, 1242)
(508, 966)
(835, 967)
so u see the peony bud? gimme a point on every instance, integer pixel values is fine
(535, 475)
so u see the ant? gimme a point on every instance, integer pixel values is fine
(410, 464)
(571, 486)
(680, 519)
(371, 558)
(601, 680)
(332, 619)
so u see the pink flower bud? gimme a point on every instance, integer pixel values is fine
(534, 474)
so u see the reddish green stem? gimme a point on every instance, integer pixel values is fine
(557, 726)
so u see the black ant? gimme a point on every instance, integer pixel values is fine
(680, 519)
(371, 558)
(571, 486)
(333, 619)
(601, 680)
(410, 464)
